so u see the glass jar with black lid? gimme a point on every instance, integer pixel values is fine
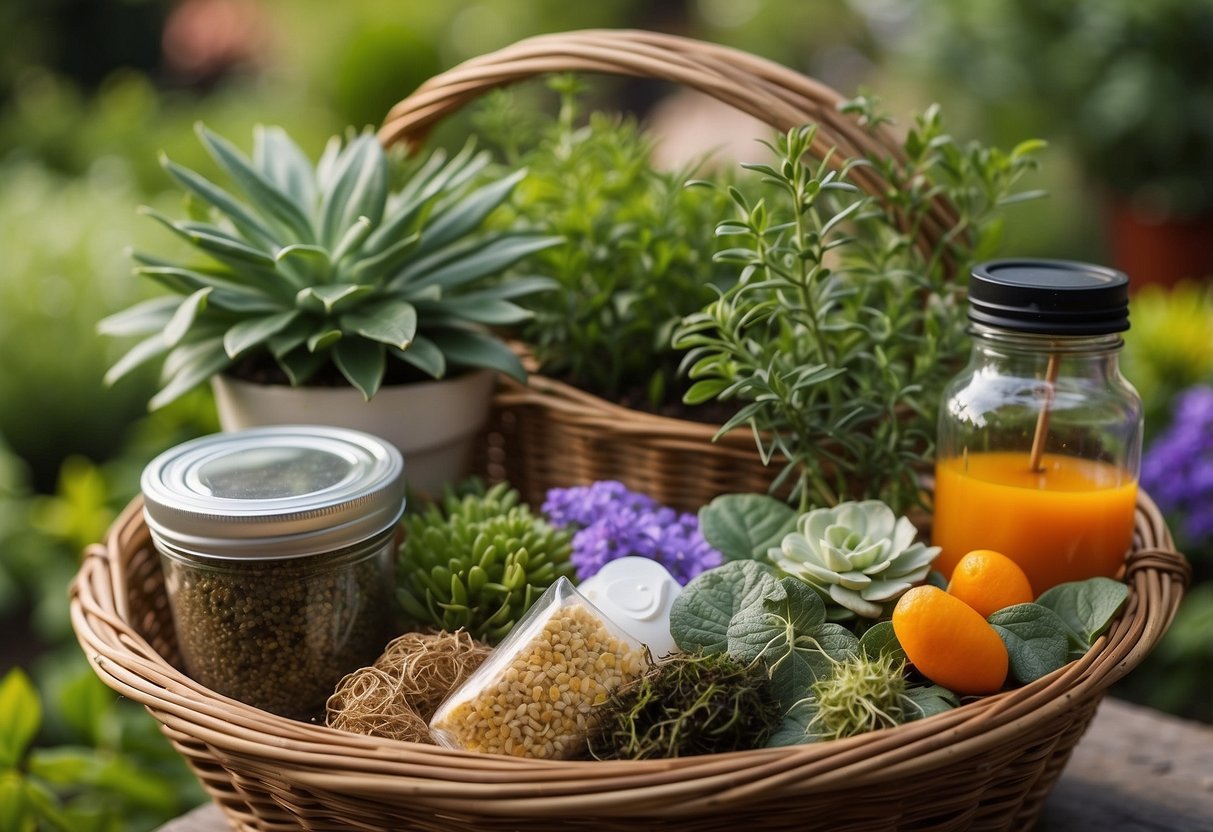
(277, 546)
(1039, 442)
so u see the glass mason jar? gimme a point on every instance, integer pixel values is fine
(277, 546)
(1039, 444)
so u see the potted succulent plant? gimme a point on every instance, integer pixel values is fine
(321, 288)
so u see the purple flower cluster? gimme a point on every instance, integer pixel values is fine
(615, 522)
(1178, 468)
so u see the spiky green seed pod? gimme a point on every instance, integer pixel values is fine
(478, 562)
(864, 694)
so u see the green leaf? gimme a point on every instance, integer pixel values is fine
(245, 221)
(512, 287)
(392, 322)
(141, 319)
(358, 189)
(488, 257)
(281, 161)
(249, 296)
(478, 310)
(223, 247)
(331, 298)
(138, 355)
(702, 612)
(187, 312)
(301, 364)
(795, 727)
(788, 631)
(745, 525)
(86, 705)
(191, 365)
(308, 263)
(475, 349)
(323, 340)
(423, 354)
(352, 239)
(362, 362)
(1088, 607)
(15, 815)
(252, 332)
(263, 193)
(879, 640)
(20, 717)
(466, 214)
(384, 262)
(65, 765)
(1036, 638)
(704, 390)
(924, 701)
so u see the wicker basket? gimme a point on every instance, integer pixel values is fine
(985, 766)
(550, 434)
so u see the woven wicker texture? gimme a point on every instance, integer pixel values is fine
(549, 434)
(986, 766)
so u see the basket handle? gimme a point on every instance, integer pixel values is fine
(764, 89)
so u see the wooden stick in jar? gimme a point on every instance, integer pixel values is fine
(1042, 420)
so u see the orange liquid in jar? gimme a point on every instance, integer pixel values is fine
(1071, 521)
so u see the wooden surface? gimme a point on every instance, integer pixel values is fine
(1134, 771)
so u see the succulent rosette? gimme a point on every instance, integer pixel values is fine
(859, 556)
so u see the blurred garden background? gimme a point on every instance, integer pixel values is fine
(91, 91)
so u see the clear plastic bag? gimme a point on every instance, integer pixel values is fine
(536, 695)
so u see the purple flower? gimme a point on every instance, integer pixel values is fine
(615, 522)
(1178, 468)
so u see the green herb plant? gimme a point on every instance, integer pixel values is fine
(329, 266)
(837, 337)
(637, 247)
(478, 562)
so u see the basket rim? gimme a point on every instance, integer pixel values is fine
(1156, 574)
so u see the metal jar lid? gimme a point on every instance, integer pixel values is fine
(271, 493)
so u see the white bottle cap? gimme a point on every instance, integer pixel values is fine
(636, 593)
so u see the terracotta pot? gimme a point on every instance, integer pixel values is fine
(1151, 249)
(433, 423)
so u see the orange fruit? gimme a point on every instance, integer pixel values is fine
(988, 581)
(949, 642)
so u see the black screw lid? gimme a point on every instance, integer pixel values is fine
(1049, 297)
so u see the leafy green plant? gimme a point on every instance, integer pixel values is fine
(1118, 78)
(842, 328)
(60, 277)
(636, 255)
(742, 608)
(79, 787)
(478, 562)
(330, 265)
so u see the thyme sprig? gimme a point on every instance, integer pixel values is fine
(843, 327)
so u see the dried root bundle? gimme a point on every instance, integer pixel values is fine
(395, 697)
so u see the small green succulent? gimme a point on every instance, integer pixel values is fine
(305, 266)
(478, 562)
(859, 556)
